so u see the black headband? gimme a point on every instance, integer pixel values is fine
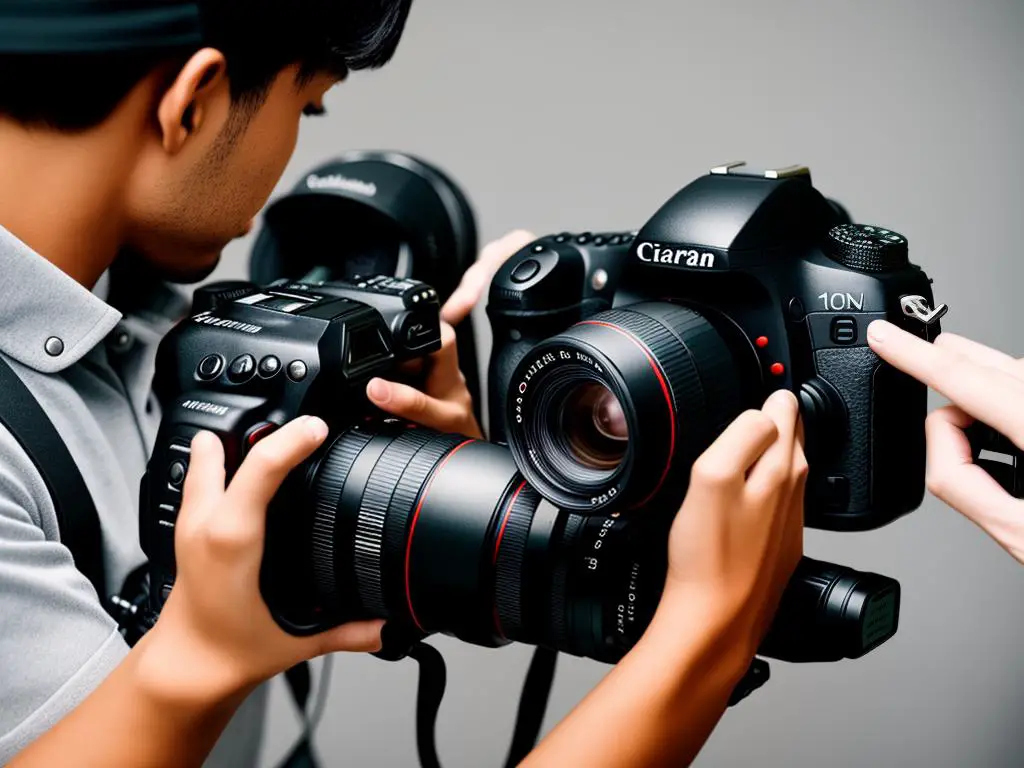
(97, 26)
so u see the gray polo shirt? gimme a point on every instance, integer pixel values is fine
(56, 641)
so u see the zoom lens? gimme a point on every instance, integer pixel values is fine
(440, 533)
(402, 526)
(603, 413)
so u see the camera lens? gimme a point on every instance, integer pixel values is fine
(615, 409)
(595, 427)
(401, 525)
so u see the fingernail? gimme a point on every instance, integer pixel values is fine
(878, 330)
(317, 428)
(379, 390)
(202, 439)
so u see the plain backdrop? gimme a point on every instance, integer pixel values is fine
(573, 114)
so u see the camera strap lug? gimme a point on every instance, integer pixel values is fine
(756, 675)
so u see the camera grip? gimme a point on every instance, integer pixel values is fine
(879, 474)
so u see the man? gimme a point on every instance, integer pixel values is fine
(137, 165)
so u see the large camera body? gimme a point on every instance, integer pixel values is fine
(250, 359)
(741, 284)
(443, 533)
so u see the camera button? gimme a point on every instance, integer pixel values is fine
(525, 271)
(584, 238)
(844, 331)
(258, 432)
(242, 369)
(270, 366)
(836, 490)
(210, 367)
(796, 310)
(297, 370)
(176, 473)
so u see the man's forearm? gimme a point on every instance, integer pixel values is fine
(658, 706)
(155, 710)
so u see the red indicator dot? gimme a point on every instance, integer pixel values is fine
(762, 341)
(778, 369)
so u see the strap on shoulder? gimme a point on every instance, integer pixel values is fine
(79, 523)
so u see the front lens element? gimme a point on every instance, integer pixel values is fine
(601, 414)
(595, 427)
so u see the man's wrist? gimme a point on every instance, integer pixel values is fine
(704, 632)
(174, 670)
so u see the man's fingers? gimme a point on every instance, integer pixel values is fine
(963, 485)
(205, 478)
(988, 394)
(980, 354)
(772, 472)
(409, 403)
(355, 637)
(270, 461)
(445, 376)
(736, 450)
(478, 277)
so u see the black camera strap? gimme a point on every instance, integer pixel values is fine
(533, 705)
(80, 532)
(77, 520)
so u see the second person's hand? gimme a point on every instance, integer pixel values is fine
(983, 384)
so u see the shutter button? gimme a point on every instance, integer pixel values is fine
(54, 347)
(526, 271)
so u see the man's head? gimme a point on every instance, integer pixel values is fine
(198, 137)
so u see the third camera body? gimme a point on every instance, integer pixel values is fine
(617, 360)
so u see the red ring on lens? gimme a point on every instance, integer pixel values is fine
(664, 390)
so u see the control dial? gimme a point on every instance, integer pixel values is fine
(867, 249)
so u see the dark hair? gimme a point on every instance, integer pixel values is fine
(259, 38)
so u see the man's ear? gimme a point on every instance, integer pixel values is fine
(184, 105)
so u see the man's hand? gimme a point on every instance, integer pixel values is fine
(215, 629)
(739, 534)
(733, 548)
(478, 277)
(983, 384)
(444, 403)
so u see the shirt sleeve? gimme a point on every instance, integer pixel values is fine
(57, 643)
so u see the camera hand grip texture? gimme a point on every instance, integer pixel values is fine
(1009, 475)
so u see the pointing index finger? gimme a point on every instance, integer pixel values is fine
(986, 393)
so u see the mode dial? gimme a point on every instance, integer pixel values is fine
(867, 248)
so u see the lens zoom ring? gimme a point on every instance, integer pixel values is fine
(330, 480)
(675, 360)
(715, 365)
(508, 566)
(367, 555)
(403, 502)
(560, 582)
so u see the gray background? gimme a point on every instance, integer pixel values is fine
(563, 114)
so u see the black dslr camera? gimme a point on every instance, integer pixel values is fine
(251, 359)
(739, 285)
(619, 358)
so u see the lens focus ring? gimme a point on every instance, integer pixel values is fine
(367, 554)
(330, 480)
(510, 548)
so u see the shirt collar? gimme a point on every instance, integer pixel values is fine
(48, 321)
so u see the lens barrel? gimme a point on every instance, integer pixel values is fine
(440, 533)
(661, 382)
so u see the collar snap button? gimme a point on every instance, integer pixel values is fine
(54, 346)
